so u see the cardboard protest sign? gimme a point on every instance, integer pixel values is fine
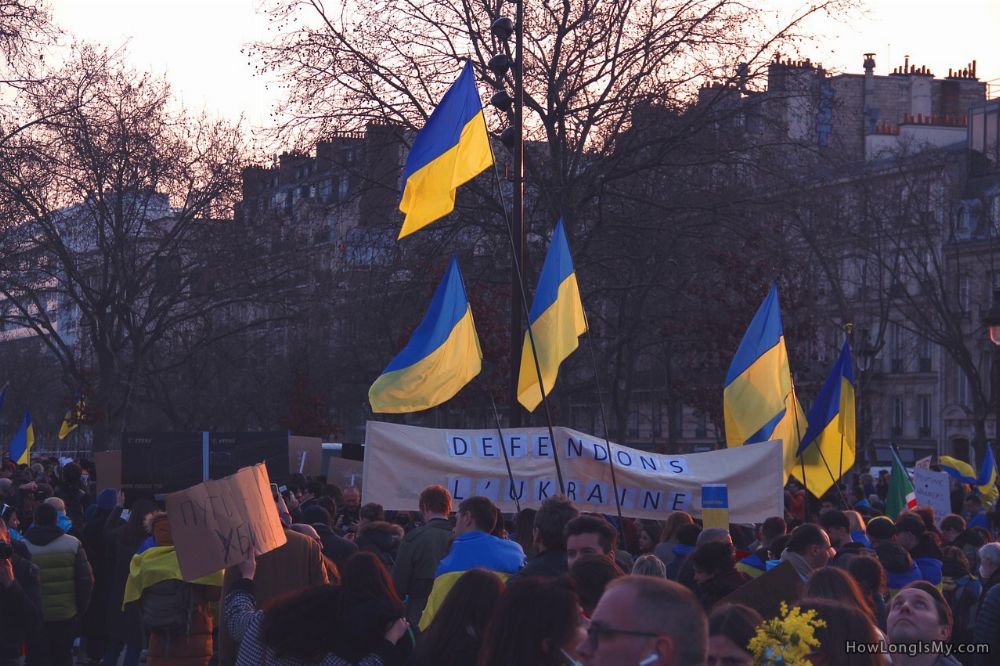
(401, 460)
(305, 455)
(109, 469)
(344, 473)
(216, 524)
(766, 592)
(933, 489)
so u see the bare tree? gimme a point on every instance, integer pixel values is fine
(114, 255)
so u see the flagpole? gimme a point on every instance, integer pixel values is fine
(822, 457)
(520, 291)
(604, 424)
(503, 447)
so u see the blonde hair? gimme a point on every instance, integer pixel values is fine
(649, 565)
(856, 520)
(56, 503)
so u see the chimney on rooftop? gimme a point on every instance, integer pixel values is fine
(871, 113)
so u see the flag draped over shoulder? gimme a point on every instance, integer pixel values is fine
(985, 482)
(758, 400)
(451, 149)
(20, 446)
(900, 496)
(831, 428)
(442, 356)
(556, 320)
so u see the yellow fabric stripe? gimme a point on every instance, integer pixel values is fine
(757, 395)
(434, 379)
(429, 193)
(155, 565)
(556, 333)
(442, 586)
(819, 478)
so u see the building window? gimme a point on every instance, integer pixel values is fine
(925, 415)
(962, 388)
(897, 348)
(897, 417)
(964, 295)
(924, 355)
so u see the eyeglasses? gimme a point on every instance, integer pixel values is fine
(596, 630)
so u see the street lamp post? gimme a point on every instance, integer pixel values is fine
(866, 354)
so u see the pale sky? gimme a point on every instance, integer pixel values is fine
(196, 43)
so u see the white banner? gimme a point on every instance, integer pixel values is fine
(400, 461)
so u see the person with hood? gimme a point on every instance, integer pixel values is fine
(380, 538)
(67, 582)
(912, 534)
(715, 573)
(175, 613)
(96, 544)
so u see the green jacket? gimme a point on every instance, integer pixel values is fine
(65, 574)
(416, 561)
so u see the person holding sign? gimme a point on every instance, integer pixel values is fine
(295, 630)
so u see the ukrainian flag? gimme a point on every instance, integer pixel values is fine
(985, 482)
(831, 428)
(758, 401)
(20, 446)
(72, 420)
(451, 149)
(442, 356)
(556, 320)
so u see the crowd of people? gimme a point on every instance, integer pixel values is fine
(91, 578)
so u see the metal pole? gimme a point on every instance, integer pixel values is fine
(506, 458)
(517, 230)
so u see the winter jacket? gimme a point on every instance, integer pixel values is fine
(244, 623)
(713, 590)
(962, 593)
(551, 563)
(382, 539)
(64, 571)
(418, 558)
(987, 629)
(20, 608)
(469, 551)
(336, 547)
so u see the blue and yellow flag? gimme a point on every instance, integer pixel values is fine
(72, 419)
(451, 149)
(556, 320)
(832, 430)
(758, 401)
(442, 356)
(20, 446)
(985, 482)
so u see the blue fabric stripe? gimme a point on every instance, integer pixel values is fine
(447, 308)
(557, 267)
(827, 405)
(444, 127)
(988, 470)
(763, 333)
(764, 434)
